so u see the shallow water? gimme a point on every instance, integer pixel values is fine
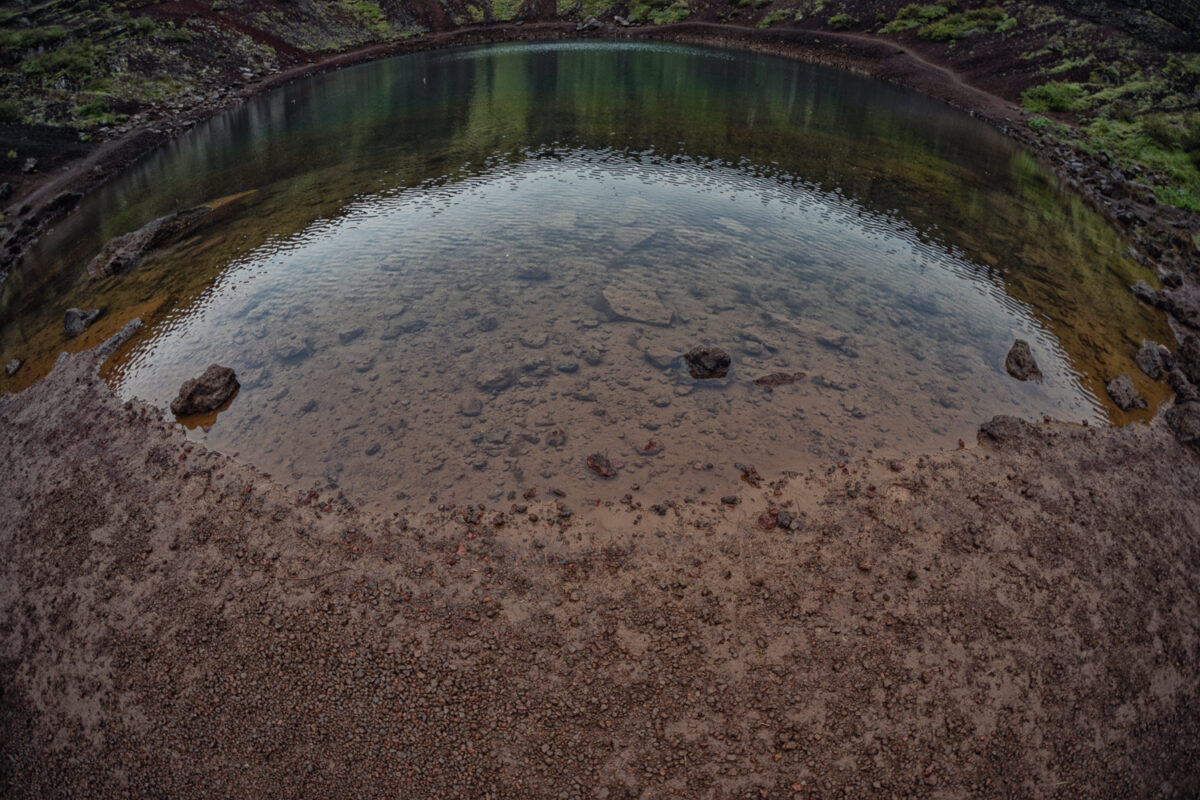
(411, 276)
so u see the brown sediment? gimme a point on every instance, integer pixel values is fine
(964, 623)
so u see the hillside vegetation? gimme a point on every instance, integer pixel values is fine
(1107, 76)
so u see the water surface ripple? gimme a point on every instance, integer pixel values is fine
(414, 265)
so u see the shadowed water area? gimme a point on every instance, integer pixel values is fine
(459, 274)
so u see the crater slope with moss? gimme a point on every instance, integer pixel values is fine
(1120, 81)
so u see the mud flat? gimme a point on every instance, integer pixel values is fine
(1018, 619)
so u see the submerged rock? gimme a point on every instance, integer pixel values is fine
(495, 380)
(77, 320)
(403, 329)
(11, 367)
(839, 342)
(637, 303)
(206, 393)
(1153, 359)
(1020, 362)
(661, 357)
(348, 336)
(779, 379)
(707, 362)
(532, 273)
(124, 253)
(292, 347)
(1124, 394)
(472, 407)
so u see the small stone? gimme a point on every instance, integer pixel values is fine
(292, 348)
(206, 393)
(471, 407)
(839, 342)
(403, 329)
(373, 449)
(1123, 393)
(534, 341)
(638, 303)
(661, 357)
(601, 465)
(532, 273)
(779, 379)
(77, 320)
(568, 367)
(1021, 364)
(346, 337)
(707, 362)
(593, 357)
(11, 367)
(495, 380)
(29, 166)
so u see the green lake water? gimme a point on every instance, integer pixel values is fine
(415, 260)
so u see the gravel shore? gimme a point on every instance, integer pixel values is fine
(1018, 619)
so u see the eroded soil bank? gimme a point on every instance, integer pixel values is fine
(1018, 619)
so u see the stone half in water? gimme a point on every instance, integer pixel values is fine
(707, 362)
(1021, 364)
(1124, 394)
(76, 320)
(206, 393)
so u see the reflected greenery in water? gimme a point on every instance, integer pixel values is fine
(416, 136)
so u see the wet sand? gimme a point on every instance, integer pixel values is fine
(1015, 620)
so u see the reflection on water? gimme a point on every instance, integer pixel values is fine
(465, 272)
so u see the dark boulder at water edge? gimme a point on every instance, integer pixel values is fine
(206, 393)
(1020, 362)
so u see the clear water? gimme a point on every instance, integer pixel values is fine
(410, 268)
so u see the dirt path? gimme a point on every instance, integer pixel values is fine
(1018, 620)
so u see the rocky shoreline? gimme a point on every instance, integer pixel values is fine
(1018, 619)
(990, 622)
